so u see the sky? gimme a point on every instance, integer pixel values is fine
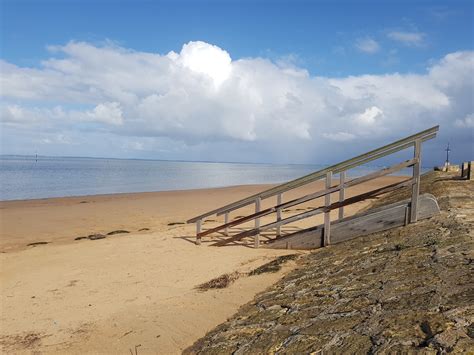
(247, 81)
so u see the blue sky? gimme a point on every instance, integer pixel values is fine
(319, 34)
(314, 55)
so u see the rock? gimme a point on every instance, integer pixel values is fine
(406, 290)
(96, 236)
(446, 340)
(118, 231)
(36, 243)
(178, 223)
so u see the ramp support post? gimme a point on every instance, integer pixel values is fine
(257, 222)
(198, 230)
(415, 192)
(342, 180)
(278, 214)
(327, 213)
(226, 220)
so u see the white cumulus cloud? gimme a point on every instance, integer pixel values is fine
(204, 58)
(199, 103)
(370, 115)
(107, 112)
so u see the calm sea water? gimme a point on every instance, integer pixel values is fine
(22, 177)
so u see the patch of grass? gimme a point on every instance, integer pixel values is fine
(226, 280)
(274, 265)
(222, 281)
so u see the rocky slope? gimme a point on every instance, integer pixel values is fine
(410, 289)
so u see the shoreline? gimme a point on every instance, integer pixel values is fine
(62, 219)
(136, 193)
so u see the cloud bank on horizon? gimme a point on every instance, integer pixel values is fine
(200, 104)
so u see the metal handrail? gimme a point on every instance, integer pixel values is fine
(414, 140)
(343, 166)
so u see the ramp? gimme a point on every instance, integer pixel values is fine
(375, 220)
(332, 231)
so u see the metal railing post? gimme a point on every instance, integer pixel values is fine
(278, 214)
(342, 180)
(198, 230)
(415, 192)
(327, 214)
(257, 222)
(226, 220)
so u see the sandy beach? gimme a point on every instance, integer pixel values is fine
(127, 290)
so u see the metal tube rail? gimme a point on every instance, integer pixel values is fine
(343, 166)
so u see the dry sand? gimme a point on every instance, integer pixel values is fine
(136, 289)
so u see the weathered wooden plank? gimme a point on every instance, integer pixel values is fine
(380, 219)
(311, 238)
(345, 165)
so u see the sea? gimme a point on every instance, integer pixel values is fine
(28, 177)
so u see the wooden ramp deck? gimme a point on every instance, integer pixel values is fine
(390, 216)
(372, 221)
